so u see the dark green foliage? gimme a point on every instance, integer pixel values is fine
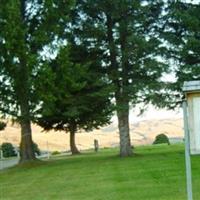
(8, 150)
(27, 27)
(2, 125)
(124, 37)
(55, 153)
(30, 30)
(181, 33)
(77, 93)
(78, 96)
(36, 149)
(161, 138)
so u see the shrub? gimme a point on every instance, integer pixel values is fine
(161, 138)
(55, 153)
(2, 125)
(8, 150)
(36, 149)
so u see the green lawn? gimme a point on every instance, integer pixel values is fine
(154, 173)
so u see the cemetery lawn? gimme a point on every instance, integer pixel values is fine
(155, 172)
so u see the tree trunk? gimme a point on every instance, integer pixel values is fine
(121, 96)
(73, 147)
(123, 125)
(22, 88)
(26, 146)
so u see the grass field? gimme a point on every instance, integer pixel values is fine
(155, 172)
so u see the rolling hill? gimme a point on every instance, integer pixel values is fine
(142, 133)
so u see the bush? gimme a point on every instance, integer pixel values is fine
(8, 150)
(2, 126)
(161, 138)
(55, 153)
(36, 149)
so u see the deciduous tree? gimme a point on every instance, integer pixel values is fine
(28, 30)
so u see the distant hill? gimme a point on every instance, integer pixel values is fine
(142, 133)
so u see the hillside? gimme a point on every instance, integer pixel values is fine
(142, 132)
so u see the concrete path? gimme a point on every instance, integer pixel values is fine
(5, 163)
(10, 162)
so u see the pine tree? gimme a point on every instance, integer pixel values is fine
(125, 36)
(80, 98)
(181, 33)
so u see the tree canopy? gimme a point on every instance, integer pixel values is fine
(62, 62)
(125, 37)
(181, 35)
(80, 96)
(29, 30)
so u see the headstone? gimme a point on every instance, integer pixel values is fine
(48, 153)
(96, 145)
(1, 154)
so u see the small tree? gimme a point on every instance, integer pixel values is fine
(8, 149)
(78, 96)
(161, 138)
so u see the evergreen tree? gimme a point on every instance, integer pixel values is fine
(28, 28)
(80, 98)
(181, 33)
(124, 35)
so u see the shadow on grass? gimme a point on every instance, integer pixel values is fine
(103, 156)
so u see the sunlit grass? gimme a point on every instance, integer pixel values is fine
(155, 172)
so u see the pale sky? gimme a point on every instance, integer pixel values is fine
(152, 113)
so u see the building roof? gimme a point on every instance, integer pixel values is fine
(191, 86)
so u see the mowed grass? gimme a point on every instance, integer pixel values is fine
(155, 172)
